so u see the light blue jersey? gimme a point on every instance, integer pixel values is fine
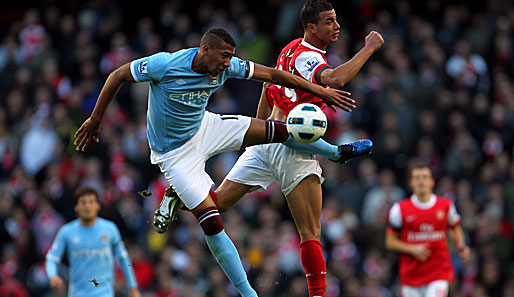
(90, 251)
(178, 95)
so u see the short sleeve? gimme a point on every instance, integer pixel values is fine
(308, 64)
(241, 69)
(454, 217)
(395, 216)
(151, 68)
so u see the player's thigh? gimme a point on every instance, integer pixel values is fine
(305, 202)
(409, 291)
(437, 289)
(220, 133)
(229, 192)
(184, 168)
(251, 172)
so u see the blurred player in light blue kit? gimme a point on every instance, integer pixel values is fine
(182, 135)
(91, 244)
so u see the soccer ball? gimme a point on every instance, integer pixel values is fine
(306, 123)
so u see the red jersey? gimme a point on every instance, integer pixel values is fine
(302, 59)
(427, 222)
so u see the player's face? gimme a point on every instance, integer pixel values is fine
(327, 28)
(421, 181)
(219, 59)
(87, 207)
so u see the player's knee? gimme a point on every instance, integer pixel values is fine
(222, 206)
(312, 234)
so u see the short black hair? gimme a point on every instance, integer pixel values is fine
(82, 191)
(215, 36)
(312, 9)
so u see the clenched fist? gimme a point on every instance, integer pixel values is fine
(374, 40)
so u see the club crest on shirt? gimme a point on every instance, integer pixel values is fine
(214, 80)
(439, 214)
(104, 238)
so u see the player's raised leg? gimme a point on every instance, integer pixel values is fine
(305, 206)
(268, 131)
(262, 132)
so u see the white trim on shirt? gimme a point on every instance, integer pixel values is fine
(132, 71)
(252, 68)
(395, 216)
(306, 44)
(424, 205)
(453, 216)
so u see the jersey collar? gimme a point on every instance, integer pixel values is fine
(423, 205)
(306, 44)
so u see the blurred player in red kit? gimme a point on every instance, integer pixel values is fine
(417, 229)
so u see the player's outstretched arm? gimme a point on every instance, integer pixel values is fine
(342, 74)
(332, 97)
(90, 129)
(263, 109)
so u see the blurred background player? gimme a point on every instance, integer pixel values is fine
(298, 173)
(182, 135)
(418, 227)
(90, 243)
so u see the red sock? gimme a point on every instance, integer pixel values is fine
(275, 132)
(213, 196)
(315, 267)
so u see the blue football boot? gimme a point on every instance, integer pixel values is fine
(357, 149)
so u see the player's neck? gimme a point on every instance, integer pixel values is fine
(199, 66)
(314, 41)
(423, 197)
(87, 223)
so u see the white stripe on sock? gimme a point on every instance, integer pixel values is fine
(272, 131)
(211, 215)
(207, 213)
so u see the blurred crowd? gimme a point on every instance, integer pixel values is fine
(440, 91)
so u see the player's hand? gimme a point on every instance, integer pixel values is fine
(57, 283)
(374, 41)
(87, 133)
(420, 252)
(337, 98)
(134, 292)
(463, 252)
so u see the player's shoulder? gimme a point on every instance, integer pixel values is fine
(444, 200)
(294, 43)
(104, 223)
(176, 58)
(70, 227)
(405, 201)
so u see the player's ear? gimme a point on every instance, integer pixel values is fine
(206, 49)
(311, 27)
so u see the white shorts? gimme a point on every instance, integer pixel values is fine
(437, 288)
(184, 167)
(261, 165)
